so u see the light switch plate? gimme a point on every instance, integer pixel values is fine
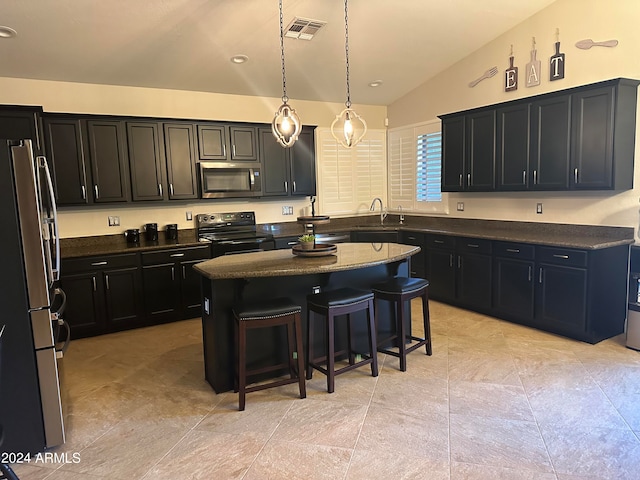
(538, 208)
(189, 216)
(114, 221)
(287, 210)
(460, 207)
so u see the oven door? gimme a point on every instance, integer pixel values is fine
(230, 180)
(230, 247)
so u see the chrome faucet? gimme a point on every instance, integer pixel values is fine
(383, 213)
(401, 214)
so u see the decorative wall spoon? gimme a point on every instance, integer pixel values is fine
(588, 43)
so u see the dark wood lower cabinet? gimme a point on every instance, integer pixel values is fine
(84, 307)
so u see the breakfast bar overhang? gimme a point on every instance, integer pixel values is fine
(278, 273)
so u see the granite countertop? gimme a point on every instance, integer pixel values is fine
(114, 244)
(277, 263)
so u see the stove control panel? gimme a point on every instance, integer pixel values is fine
(228, 219)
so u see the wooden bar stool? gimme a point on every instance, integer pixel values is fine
(332, 304)
(400, 290)
(270, 313)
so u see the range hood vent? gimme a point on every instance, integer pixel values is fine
(303, 28)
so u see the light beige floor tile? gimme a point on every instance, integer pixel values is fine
(600, 452)
(489, 400)
(318, 422)
(207, 455)
(484, 367)
(466, 471)
(283, 459)
(29, 471)
(355, 386)
(411, 394)
(381, 464)
(498, 443)
(425, 436)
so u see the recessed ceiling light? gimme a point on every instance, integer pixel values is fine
(7, 32)
(375, 83)
(239, 58)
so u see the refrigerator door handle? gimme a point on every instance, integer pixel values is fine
(53, 220)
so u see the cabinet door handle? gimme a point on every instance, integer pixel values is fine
(294, 186)
(171, 189)
(529, 272)
(524, 177)
(184, 272)
(459, 262)
(160, 189)
(95, 189)
(438, 241)
(513, 250)
(97, 264)
(234, 149)
(106, 280)
(473, 245)
(93, 279)
(575, 175)
(451, 260)
(84, 192)
(565, 257)
(224, 150)
(173, 273)
(460, 180)
(411, 238)
(292, 243)
(540, 276)
(177, 254)
(535, 177)
(468, 179)
(286, 186)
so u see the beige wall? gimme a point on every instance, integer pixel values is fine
(116, 100)
(577, 20)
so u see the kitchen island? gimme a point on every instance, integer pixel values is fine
(278, 273)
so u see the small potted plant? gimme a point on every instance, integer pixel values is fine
(306, 241)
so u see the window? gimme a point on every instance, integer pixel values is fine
(415, 168)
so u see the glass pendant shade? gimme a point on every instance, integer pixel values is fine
(286, 125)
(348, 128)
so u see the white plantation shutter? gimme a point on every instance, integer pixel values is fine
(349, 179)
(415, 168)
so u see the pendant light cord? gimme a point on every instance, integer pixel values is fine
(284, 77)
(346, 50)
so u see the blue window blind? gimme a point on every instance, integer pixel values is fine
(429, 167)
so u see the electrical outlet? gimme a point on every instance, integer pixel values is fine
(315, 290)
(114, 221)
(287, 210)
(461, 206)
(538, 208)
(189, 216)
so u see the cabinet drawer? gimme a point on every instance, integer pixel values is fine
(474, 245)
(73, 265)
(176, 255)
(513, 250)
(412, 238)
(562, 256)
(440, 241)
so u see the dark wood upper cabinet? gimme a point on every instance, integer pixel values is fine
(550, 141)
(512, 147)
(303, 164)
(227, 142)
(582, 138)
(180, 153)
(106, 144)
(18, 123)
(67, 158)
(146, 161)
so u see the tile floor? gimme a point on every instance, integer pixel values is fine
(495, 401)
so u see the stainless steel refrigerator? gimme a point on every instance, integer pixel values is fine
(30, 407)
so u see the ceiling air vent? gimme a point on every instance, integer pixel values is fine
(303, 28)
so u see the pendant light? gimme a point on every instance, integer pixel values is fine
(286, 124)
(348, 128)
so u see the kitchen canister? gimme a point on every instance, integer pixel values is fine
(151, 232)
(171, 231)
(132, 235)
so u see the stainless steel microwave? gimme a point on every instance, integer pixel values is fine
(230, 179)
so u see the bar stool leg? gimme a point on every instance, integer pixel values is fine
(330, 353)
(301, 383)
(291, 344)
(427, 321)
(373, 343)
(400, 328)
(242, 366)
(350, 340)
(310, 327)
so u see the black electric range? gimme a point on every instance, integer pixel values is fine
(233, 232)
